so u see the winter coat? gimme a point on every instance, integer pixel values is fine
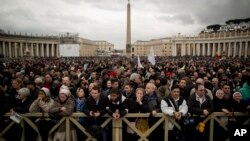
(194, 106)
(117, 105)
(79, 107)
(69, 104)
(152, 102)
(38, 106)
(168, 108)
(91, 105)
(245, 92)
(22, 106)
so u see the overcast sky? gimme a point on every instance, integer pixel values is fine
(106, 19)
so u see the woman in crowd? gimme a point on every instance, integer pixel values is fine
(220, 105)
(42, 104)
(134, 105)
(80, 102)
(63, 106)
(43, 101)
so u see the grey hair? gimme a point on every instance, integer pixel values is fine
(133, 76)
(24, 91)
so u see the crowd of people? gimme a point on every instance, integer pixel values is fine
(95, 86)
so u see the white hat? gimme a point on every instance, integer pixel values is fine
(46, 91)
(64, 87)
(65, 91)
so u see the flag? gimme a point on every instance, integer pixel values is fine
(151, 56)
(85, 66)
(139, 62)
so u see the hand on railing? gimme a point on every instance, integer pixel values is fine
(228, 113)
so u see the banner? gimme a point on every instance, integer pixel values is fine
(151, 56)
(139, 62)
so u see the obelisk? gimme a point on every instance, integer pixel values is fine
(128, 41)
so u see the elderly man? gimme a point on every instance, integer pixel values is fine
(152, 106)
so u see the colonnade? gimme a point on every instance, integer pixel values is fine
(227, 49)
(35, 49)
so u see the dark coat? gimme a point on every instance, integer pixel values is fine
(22, 107)
(92, 106)
(194, 106)
(152, 102)
(117, 105)
(220, 104)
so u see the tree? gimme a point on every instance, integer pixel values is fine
(214, 27)
(2, 31)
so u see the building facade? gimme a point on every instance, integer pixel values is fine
(228, 44)
(14, 46)
(104, 48)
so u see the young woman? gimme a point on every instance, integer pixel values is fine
(42, 104)
(43, 101)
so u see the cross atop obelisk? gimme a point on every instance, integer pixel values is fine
(128, 41)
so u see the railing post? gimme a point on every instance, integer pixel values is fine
(23, 130)
(166, 128)
(211, 128)
(67, 129)
(117, 130)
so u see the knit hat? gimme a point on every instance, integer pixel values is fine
(46, 91)
(24, 91)
(65, 91)
(64, 87)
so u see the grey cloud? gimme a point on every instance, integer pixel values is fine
(205, 11)
(109, 5)
(184, 19)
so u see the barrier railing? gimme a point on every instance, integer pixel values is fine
(116, 125)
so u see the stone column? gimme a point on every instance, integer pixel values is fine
(174, 49)
(246, 49)
(15, 50)
(42, 53)
(224, 47)
(53, 48)
(183, 49)
(219, 48)
(240, 53)
(32, 49)
(21, 49)
(234, 53)
(229, 50)
(26, 48)
(10, 51)
(37, 50)
(209, 49)
(57, 50)
(47, 50)
(199, 49)
(213, 51)
(189, 49)
(203, 49)
(4, 53)
(193, 47)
